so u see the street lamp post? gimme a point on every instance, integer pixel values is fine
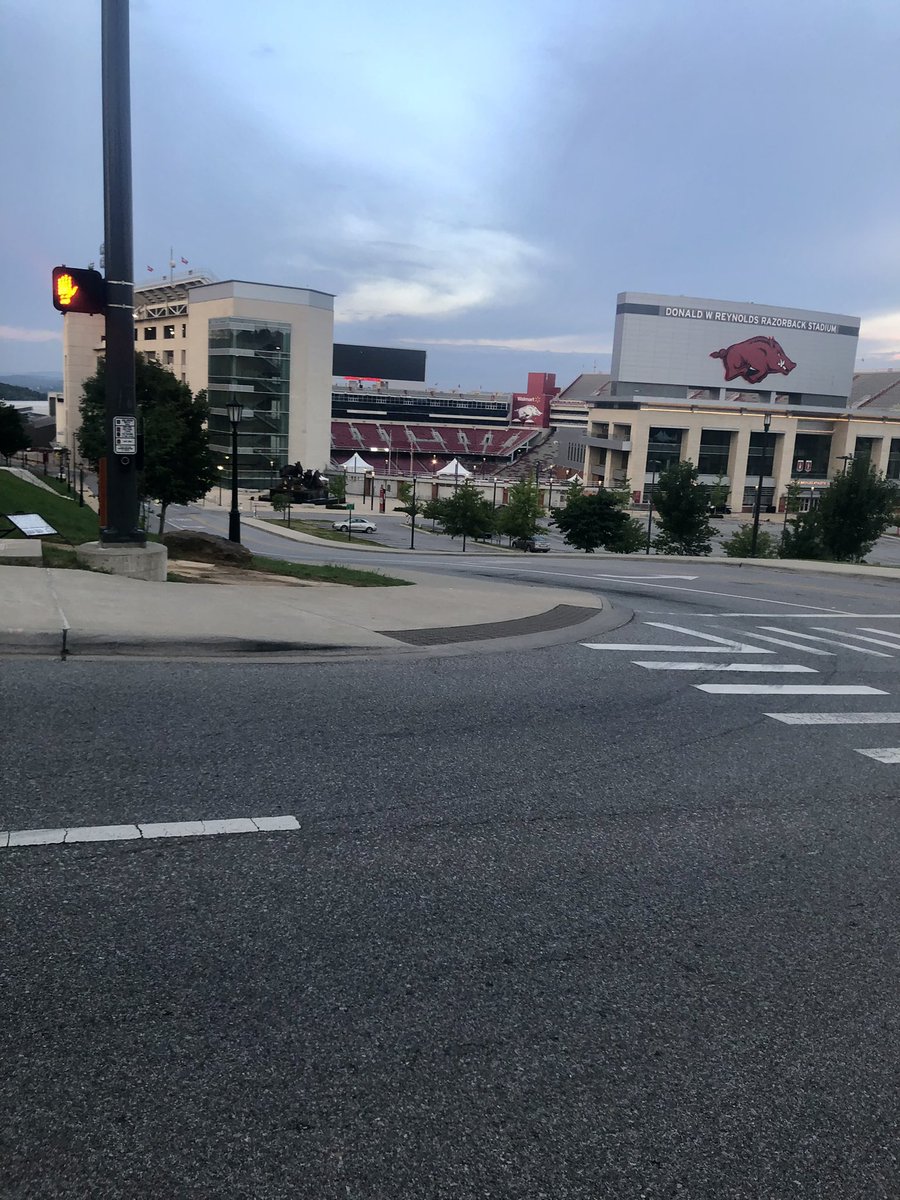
(412, 516)
(81, 487)
(220, 468)
(767, 423)
(235, 416)
(655, 466)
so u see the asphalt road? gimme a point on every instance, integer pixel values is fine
(554, 924)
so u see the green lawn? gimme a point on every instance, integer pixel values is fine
(75, 524)
(325, 574)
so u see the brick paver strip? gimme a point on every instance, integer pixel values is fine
(555, 618)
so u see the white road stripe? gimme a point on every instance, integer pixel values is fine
(890, 754)
(790, 645)
(640, 648)
(769, 668)
(883, 632)
(858, 637)
(827, 641)
(728, 643)
(119, 833)
(788, 689)
(844, 718)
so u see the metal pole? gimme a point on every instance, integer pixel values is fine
(650, 507)
(122, 504)
(762, 470)
(81, 487)
(234, 517)
(412, 518)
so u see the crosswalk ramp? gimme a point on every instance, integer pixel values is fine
(711, 655)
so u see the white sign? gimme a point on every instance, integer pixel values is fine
(124, 435)
(31, 525)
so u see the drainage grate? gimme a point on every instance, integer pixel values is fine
(554, 618)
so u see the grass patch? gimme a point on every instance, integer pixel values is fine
(325, 574)
(75, 524)
(320, 530)
(58, 485)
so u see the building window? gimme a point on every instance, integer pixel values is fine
(893, 470)
(184, 330)
(135, 335)
(183, 357)
(663, 448)
(813, 449)
(865, 448)
(714, 447)
(150, 333)
(761, 455)
(168, 331)
(169, 357)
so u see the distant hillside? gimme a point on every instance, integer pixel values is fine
(35, 380)
(24, 395)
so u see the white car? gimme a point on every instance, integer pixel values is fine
(354, 525)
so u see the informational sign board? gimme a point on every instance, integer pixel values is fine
(31, 525)
(124, 435)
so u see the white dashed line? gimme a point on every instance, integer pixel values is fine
(158, 829)
(790, 645)
(808, 637)
(844, 718)
(640, 648)
(889, 755)
(768, 668)
(788, 689)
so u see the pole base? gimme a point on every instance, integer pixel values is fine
(134, 561)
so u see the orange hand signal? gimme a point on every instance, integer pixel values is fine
(66, 289)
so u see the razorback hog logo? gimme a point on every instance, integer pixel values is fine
(754, 359)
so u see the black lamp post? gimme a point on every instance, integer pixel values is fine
(235, 416)
(767, 423)
(655, 465)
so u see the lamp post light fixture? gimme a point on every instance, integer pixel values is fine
(235, 416)
(655, 465)
(220, 468)
(767, 424)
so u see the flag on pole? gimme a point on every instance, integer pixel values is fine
(150, 269)
(185, 261)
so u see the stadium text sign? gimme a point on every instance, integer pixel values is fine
(760, 319)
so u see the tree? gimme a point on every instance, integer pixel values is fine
(178, 463)
(467, 514)
(337, 489)
(855, 510)
(590, 522)
(433, 510)
(520, 516)
(739, 545)
(682, 506)
(13, 437)
(409, 502)
(281, 502)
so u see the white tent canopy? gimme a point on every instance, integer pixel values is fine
(357, 465)
(455, 470)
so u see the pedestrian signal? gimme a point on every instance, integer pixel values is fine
(78, 289)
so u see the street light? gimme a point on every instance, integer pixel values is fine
(220, 468)
(655, 465)
(235, 416)
(767, 423)
(412, 515)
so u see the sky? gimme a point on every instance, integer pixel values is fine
(478, 178)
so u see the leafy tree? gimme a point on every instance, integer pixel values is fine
(682, 506)
(740, 543)
(855, 510)
(337, 489)
(802, 537)
(467, 514)
(409, 502)
(13, 436)
(520, 516)
(589, 522)
(631, 538)
(281, 502)
(433, 511)
(178, 464)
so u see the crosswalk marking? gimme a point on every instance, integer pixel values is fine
(857, 637)
(761, 637)
(768, 668)
(883, 632)
(789, 689)
(891, 754)
(641, 648)
(729, 643)
(844, 718)
(828, 641)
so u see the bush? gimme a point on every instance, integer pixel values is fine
(740, 543)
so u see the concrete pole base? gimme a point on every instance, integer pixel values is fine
(147, 562)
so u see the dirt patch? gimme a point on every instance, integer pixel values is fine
(202, 572)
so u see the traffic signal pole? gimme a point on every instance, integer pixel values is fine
(122, 523)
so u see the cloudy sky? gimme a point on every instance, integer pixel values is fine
(477, 177)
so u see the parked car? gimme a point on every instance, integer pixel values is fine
(537, 545)
(354, 525)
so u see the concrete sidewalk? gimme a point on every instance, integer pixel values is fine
(48, 611)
